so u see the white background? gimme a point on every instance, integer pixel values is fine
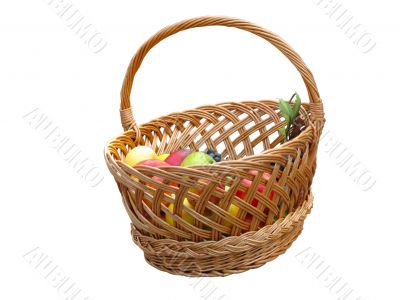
(84, 230)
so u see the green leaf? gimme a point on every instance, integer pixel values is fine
(286, 110)
(285, 132)
(290, 113)
(296, 107)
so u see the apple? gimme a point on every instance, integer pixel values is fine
(197, 158)
(188, 218)
(163, 156)
(176, 158)
(139, 154)
(156, 163)
(260, 188)
(234, 211)
(214, 199)
(153, 163)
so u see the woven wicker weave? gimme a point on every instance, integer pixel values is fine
(218, 243)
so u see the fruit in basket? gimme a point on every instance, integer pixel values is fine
(197, 158)
(176, 157)
(153, 163)
(233, 211)
(163, 156)
(247, 183)
(199, 191)
(216, 156)
(185, 215)
(138, 154)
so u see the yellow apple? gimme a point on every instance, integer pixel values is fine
(233, 211)
(139, 154)
(162, 156)
(188, 218)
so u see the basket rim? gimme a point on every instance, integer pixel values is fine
(309, 129)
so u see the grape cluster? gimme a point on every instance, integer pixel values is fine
(216, 156)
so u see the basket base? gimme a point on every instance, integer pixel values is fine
(228, 256)
(220, 267)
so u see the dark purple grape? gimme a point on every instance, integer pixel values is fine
(217, 157)
(211, 152)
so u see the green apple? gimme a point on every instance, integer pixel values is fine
(139, 154)
(197, 158)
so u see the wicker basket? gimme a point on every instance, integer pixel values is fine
(218, 243)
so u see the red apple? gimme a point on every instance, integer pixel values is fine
(176, 158)
(246, 182)
(214, 199)
(153, 163)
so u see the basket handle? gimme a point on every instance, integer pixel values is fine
(127, 119)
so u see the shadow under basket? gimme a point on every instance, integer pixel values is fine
(265, 182)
